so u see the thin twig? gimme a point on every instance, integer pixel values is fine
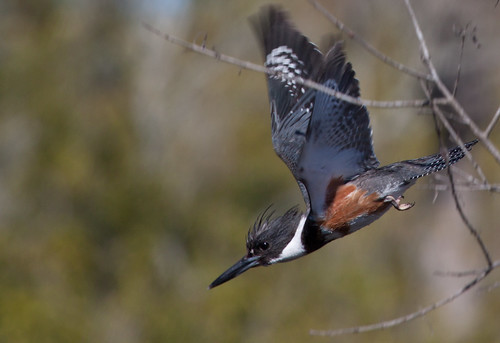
(460, 142)
(454, 193)
(495, 188)
(459, 67)
(201, 49)
(437, 111)
(458, 206)
(432, 69)
(471, 272)
(467, 223)
(466, 119)
(370, 48)
(464, 175)
(444, 90)
(404, 319)
(492, 123)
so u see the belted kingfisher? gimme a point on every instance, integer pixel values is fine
(327, 145)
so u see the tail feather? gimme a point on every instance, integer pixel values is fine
(434, 163)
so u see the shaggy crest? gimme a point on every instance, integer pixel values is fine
(265, 222)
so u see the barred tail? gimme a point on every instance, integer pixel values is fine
(434, 163)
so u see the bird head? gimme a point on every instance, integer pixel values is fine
(269, 241)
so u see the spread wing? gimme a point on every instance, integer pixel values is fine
(338, 141)
(287, 51)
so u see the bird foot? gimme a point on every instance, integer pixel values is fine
(397, 203)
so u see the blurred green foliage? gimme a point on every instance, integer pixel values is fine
(130, 171)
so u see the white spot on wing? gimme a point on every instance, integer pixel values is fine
(283, 60)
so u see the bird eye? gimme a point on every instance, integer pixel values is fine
(263, 246)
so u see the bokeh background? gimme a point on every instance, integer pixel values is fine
(131, 170)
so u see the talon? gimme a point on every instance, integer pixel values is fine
(405, 206)
(397, 203)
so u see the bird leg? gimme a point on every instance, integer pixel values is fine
(397, 203)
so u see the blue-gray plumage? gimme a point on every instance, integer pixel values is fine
(326, 143)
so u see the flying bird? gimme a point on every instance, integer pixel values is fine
(327, 144)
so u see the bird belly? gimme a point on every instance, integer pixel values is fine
(353, 208)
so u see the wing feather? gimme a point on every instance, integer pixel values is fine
(289, 52)
(339, 138)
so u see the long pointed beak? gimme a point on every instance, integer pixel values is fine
(239, 267)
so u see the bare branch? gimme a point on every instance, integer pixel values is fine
(467, 183)
(474, 128)
(404, 319)
(492, 123)
(461, 33)
(495, 264)
(481, 274)
(444, 90)
(201, 49)
(437, 111)
(458, 206)
(467, 223)
(370, 48)
(495, 188)
(466, 177)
